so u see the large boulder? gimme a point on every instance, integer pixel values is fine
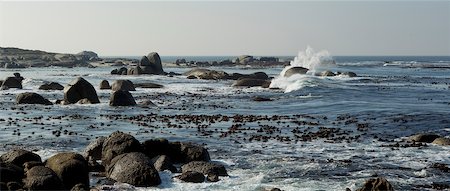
(42, 178)
(133, 168)
(190, 176)
(12, 82)
(10, 172)
(155, 147)
(148, 85)
(425, 138)
(206, 74)
(126, 85)
(118, 143)
(256, 75)
(94, 149)
(121, 98)
(250, 82)
(376, 184)
(120, 71)
(20, 157)
(51, 86)
(32, 98)
(205, 168)
(295, 70)
(104, 85)
(70, 167)
(151, 64)
(79, 89)
(442, 141)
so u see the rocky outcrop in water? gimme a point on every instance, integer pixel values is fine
(191, 176)
(377, 184)
(79, 89)
(51, 86)
(426, 138)
(12, 82)
(249, 82)
(295, 70)
(104, 85)
(118, 143)
(126, 85)
(32, 98)
(121, 98)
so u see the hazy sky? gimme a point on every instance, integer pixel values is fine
(228, 28)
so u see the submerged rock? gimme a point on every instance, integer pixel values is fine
(148, 85)
(32, 98)
(295, 70)
(191, 176)
(80, 89)
(327, 73)
(51, 86)
(249, 82)
(133, 168)
(205, 168)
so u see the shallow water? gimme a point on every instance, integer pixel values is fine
(384, 104)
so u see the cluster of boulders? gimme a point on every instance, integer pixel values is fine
(430, 138)
(123, 159)
(257, 79)
(300, 70)
(150, 64)
(241, 60)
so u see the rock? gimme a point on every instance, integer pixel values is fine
(19, 157)
(126, 85)
(377, 184)
(87, 56)
(51, 86)
(70, 167)
(80, 187)
(135, 71)
(194, 152)
(10, 172)
(178, 152)
(327, 73)
(155, 147)
(32, 98)
(42, 178)
(133, 168)
(148, 85)
(13, 65)
(151, 64)
(256, 75)
(147, 103)
(426, 138)
(190, 176)
(80, 89)
(121, 98)
(120, 71)
(162, 163)
(212, 177)
(257, 98)
(442, 141)
(249, 82)
(205, 168)
(104, 85)
(269, 59)
(118, 143)
(295, 70)
(30, 164)
(84, 101)
(94, 166)
(349, 74)
(180, 61)
(244, 59)
(12, 82)
(207, 74)
(94, 149)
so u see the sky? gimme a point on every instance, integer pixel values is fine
(228, 28)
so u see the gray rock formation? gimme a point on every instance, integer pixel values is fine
(79, 89)
(32, 98)
(121, 98)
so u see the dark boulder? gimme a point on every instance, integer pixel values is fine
(250, 82)
(191, 176)
(162, 163)
(256, 75)
(205, 168)
(126, 85)
(178, 152)
(258, 98)
(70, 167)
(12, 82)
(94, 149)
(151, 64)
(51, 86)
(376, 184)
(442, 141)
(295, 70)
(133, 168)
(155, 147)
(10, 172)
(425, 138)
(42, 178)
(118, 143)
(194, 152)
(19, 157)
(207, 74)
(327, 73)
(121, 98)
(104, 85)
(80, 89)
(120, 71)
(135, 71)
(32, 98)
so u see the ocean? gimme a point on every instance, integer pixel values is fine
(317, 133)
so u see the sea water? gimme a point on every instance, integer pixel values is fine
(395, 96)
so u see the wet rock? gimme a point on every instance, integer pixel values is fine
(377, 184)
(118, 143)
(207, 74)
(205, 168)
(425, 138)
(51, 86)
(70, 167)
(134, 71)
(19, 157)
(178, 152)
(162, 163)
(133, 168)
(212, 177)
(12, 82)
(121, 98)
(10, 172)
(126, 85)
(256, 75)
(32, 98)
(295, 70)
(151, 64)
(155, 147)
(349, 74)
(194, 152)
(94, 166)
(120, 71)
(42, 178)
(94, 149)
(191, 176)
(249, 82)
(257, 98)
(148, 85)
(80, 89)
(80, 187)
(28, 165)
(104, 85)
(442, 141)
(327, 73)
